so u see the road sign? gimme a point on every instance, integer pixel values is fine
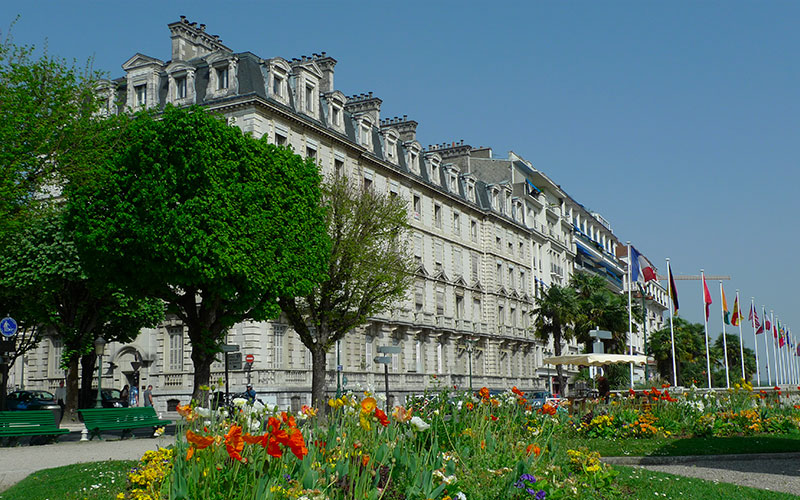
(8, 327)
(384, 360)
(390, 349)
(229, 347)
(600, 334)
(234, 360)
(339, 368)
(249, 358)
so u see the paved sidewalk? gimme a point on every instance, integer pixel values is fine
(16, 463)
(765, 471)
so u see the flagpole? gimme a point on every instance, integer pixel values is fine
(775, 349)
(741, 339)
(670, 291)
(724, 340)
(755, 338)
(630, 310)
(766, 345)
(705, 319)
(780, 352)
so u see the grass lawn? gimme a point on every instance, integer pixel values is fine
(640, 483)
(89, 481)
(695, 446)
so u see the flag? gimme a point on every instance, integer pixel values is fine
(753, 317)
(737, 314)
(673, 293)
(766, 323)
(640, 265)
(706, 297)
(726, 315)
(798, 350)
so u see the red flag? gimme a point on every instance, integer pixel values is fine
(766, 323)
(706, 297)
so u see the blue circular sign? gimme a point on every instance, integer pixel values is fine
(8, 327)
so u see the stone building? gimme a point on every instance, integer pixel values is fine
(489, 235)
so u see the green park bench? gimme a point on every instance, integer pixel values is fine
(16, 424)
(98, 420)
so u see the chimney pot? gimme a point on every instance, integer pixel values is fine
(183, 18)
(202, 27)
(323, 53)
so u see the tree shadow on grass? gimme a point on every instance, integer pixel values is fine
(729, 445)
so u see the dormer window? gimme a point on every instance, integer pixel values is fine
(471, 192)
(365, 133)
(222, 78)
(336, 116)
(310, 108)
(180, 87)
(277, 85)
(391, 148)
(141, 95)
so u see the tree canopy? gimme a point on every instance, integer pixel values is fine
(47, 106)
(367, 270)
(44, 279)
(210, 220)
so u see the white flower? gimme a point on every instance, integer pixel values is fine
(203, 412)
(419, 424)
(257, 405)
(461, 496)
(239, 402)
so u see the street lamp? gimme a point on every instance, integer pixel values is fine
(470, 342)
(99, 347)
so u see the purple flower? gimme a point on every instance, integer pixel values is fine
(528, 477)
(287, 477)
(540, 495)
(531, 491)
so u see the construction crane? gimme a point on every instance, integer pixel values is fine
(694, 277)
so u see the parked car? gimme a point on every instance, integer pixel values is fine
(31, 400)
(34, 400)
(112, 398)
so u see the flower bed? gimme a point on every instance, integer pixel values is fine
(445, 445)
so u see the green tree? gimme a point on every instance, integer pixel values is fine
(689, 352)
(368, 270)
(47, 111)
(600, 307)
(734, 360)
(212, 221)
(556, 311)
(41, 271)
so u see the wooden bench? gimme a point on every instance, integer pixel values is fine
(15, 424)
(98, 420)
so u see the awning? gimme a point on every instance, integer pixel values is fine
(596, 359)
(531, 188)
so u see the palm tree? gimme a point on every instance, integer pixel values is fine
(600, 307)
(556, 311)
(689, 351)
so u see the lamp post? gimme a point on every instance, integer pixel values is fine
(549, 375)
(99, 347)
(644, 333)
(470, 342)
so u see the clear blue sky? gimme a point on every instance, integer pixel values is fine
(678, 121)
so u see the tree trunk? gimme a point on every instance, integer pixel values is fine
(88, 373)
(318, 379)
(202, 373)
(562, 386)
(71, 406)
(4, 369)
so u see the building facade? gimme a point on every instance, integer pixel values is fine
(488, 235)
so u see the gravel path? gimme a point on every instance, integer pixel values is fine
(773, 472)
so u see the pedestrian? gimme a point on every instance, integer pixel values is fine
(148, 395)
(125, 395)
(250, 394)
(61, 396)
(134, 397)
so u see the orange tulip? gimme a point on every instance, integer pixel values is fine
(381, 416)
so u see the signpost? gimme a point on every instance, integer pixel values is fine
(8, 327)
(230, 348)
(234, 360)
(385, 361)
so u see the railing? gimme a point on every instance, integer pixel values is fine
(173, 380)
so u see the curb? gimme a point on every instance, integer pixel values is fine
(650, 460)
